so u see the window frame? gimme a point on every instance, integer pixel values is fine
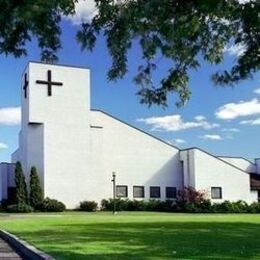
(175, 192)
(221, 194)
(122, 186)
(151, 187)
(136, 186)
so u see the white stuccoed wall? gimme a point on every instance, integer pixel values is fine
(55, 131)
(241, 163)
(210, 171)
(137, 158)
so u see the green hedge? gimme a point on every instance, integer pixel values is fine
(52, 205)
(19, 208)
(204, 206)
(88, 206)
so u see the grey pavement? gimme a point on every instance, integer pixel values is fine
(7, 253)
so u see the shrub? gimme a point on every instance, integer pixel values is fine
(88, 206)
(19, 208)
(190, 195)
(197, 206)
(254, 207)
(230, 207)
(36, 193)
(136, 205)
(52, 205)
(21, 195)
(205, 206)
(109, 204)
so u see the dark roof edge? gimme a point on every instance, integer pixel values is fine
(196, 148)
(138, 129)
(236, 157)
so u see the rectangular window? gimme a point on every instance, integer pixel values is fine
(121, 191)
(216, 192)
(171, 192)
(155, 192)
(138, 191)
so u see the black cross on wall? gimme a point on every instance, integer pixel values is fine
(49, 83)
(25, 85)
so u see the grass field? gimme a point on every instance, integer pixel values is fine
(139, 235)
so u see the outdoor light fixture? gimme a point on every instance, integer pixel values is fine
(114, 191)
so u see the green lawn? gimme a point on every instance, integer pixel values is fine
(139, 235)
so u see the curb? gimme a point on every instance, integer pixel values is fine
(25, 250)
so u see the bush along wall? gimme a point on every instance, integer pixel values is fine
(203, 206)
(52, 205)
(35, 201)
(88, 206)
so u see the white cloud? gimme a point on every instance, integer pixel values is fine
(10, 116)
(3, 146)
(233, 130)
(234, 110)
(251, 122)
(179, 141)
(211, 137)
(200, 118)
(235, 50)
(175, 123)
(84, 12)
(257, 91)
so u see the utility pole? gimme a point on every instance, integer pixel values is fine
(114, 192)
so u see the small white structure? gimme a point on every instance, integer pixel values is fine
(76, 149)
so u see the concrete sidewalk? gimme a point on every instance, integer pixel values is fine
(6, 252)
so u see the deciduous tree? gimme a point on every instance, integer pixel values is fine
(182, 32)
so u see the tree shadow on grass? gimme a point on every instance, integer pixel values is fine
(153, 240)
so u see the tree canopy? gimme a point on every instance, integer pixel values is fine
(182, 32)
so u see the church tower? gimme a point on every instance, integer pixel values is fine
(56, 128)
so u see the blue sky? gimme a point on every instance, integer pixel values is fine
(223, 121)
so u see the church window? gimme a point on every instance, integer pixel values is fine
(138, 191)
(216, 192)
(171, 192)
(155, 192)
(121, 191)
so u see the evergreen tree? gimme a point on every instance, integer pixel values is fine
(21, 188)
(36, 193)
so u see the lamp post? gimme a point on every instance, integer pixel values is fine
(114, 191)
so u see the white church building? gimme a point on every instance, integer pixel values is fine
(76, 149)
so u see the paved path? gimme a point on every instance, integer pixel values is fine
(7, 253)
